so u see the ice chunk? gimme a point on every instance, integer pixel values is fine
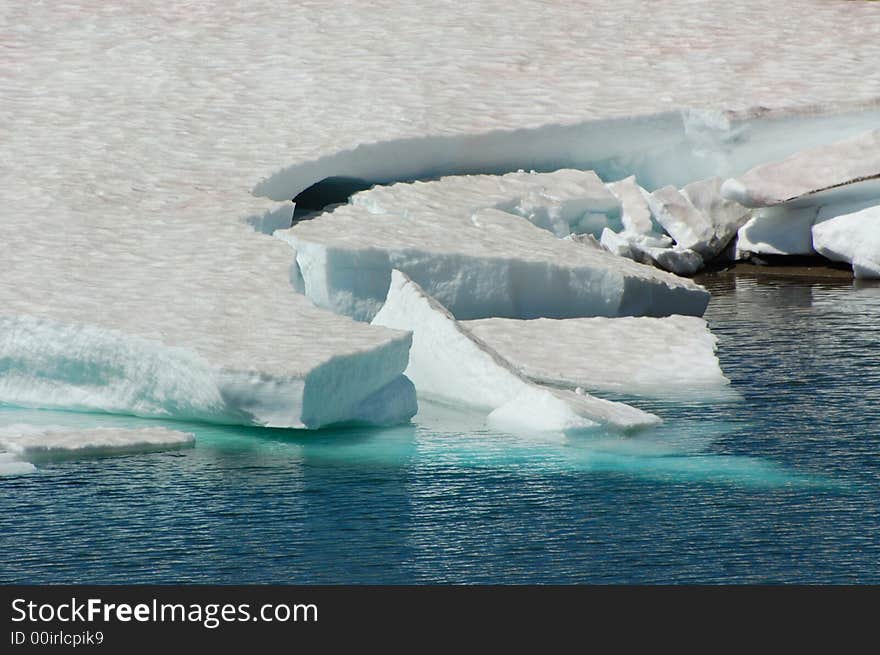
(808, 172)
(681, 220)
(653, 250)
(672, 357)
(636, 216)
(853, 238)
(11, 465)
(33, 443)
(449, 365)
(778, 230)
(331, 379)
(724, 215)
(681, 261)
(478, 263)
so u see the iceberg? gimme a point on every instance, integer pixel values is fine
(31, 443)
(449, 365)
(477, 262)
(672, 357)
(853, 238)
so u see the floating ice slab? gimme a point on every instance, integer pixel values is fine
(32, 443)
(672, 357)
(449, 365)
(853, 238)
(808, 172)
(476, 262)
(301, 379)
(11, 465)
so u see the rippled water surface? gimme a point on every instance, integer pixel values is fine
(782, 486)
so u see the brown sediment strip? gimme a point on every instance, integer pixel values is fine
(802, 269)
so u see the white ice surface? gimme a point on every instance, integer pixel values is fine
(853, 238)
(672, 357)
(808, 172)
(562, 201)
(450, 365)
(476, 262)
(12, 465)
(636, 215)
(132, 134)
(778, 230)
(33, 443)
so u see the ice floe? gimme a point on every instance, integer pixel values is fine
(672, 357)
(450, 365)
(22, 445)
(478, 261)
(303, 379)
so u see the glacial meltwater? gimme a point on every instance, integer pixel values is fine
(780, 486)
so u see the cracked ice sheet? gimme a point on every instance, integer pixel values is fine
(478, 262)
(672, 357)
(131, 133)
(27, 444)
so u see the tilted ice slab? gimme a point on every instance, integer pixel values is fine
(808, 172)
(564, 201)
(853, 238)
(476, 262)
(31, 443)
(672, 357)
(450, 365)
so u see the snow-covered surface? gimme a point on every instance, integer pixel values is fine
(565, 201)
(449, 365)
(22, 444)
(478, 262)
(808, 172)
(853, 238)
(133, 133)
(672, 357)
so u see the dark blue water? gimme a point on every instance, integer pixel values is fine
(783, 486)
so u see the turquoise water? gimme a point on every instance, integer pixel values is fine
(782, 486)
